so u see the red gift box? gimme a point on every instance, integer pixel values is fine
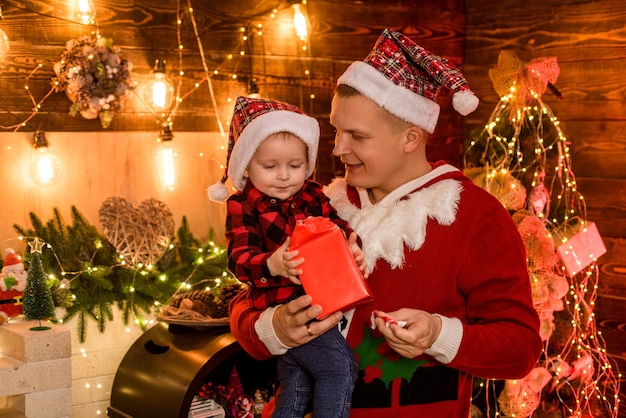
(581, 249)
(330, 274)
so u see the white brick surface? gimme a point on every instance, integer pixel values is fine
(35, 371)
(32, 377)
(95, 363)
(56, 403)
(90, 375)
(19, 342)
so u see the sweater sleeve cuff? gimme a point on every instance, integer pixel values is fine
(265, 331)
(446, 346)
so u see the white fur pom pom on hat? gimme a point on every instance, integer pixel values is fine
(218, 192)
(464, 102)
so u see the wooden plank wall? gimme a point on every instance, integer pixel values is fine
(342, 31)
(587, 36)
(589, 40)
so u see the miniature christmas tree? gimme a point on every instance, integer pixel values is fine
(522, 157)
(38, 302)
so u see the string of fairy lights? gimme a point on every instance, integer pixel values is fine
(166, 113)
(87, 15)
(518, 142)
(201, 255)
(590, 378)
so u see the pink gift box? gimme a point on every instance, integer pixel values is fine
(581, 249)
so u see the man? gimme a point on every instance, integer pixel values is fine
(446, 257)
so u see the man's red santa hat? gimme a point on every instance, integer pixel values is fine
(253, 121)
(404, 78)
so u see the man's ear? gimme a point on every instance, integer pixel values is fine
(414, 137)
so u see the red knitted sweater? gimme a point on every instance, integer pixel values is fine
(467, 261)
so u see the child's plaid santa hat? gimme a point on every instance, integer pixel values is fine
(253, 121)
(404, 78)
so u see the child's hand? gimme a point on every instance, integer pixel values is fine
(284, 263)
(359, 257)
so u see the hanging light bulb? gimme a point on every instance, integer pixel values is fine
(4, 40)
(300, 22)
(45, 168)
(84, 12)
(159, 92)
(252, 88)
(4, 43)
(167, 156)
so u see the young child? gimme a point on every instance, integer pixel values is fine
(272, 152)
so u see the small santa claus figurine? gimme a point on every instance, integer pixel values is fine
(12, 284)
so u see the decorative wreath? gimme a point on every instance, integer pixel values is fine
(94, 76)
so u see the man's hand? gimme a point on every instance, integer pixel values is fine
(419, 333)
(359, 257)
(292, 322)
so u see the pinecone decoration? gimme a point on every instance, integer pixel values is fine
(207, 303)
(226, 294)
(220, 310)
(230, 291)
(203, 301)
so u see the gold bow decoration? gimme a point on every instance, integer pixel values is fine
(523, 81)
(520, 398)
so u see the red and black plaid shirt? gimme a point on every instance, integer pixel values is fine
(256, 225)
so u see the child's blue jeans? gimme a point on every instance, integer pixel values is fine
(324, 368)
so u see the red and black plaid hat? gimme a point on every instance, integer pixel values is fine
(253, 121)
(404, 78)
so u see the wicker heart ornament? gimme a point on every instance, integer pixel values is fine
(140, 234)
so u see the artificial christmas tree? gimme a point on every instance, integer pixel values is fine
(38, 302)
(522, 157)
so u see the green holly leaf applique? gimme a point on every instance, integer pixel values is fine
(382, 367)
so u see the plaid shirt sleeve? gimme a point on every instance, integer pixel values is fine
(247, 255)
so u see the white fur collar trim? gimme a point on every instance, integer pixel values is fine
(379, 225)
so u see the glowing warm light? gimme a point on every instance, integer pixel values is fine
(159, 92)
(166, 156)
(4, 43)
(581, 366)
(4, 39)
(84, 12)
(168, 166)
(299, 21)
(45, 169)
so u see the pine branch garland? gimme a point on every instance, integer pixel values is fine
(91, 277)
